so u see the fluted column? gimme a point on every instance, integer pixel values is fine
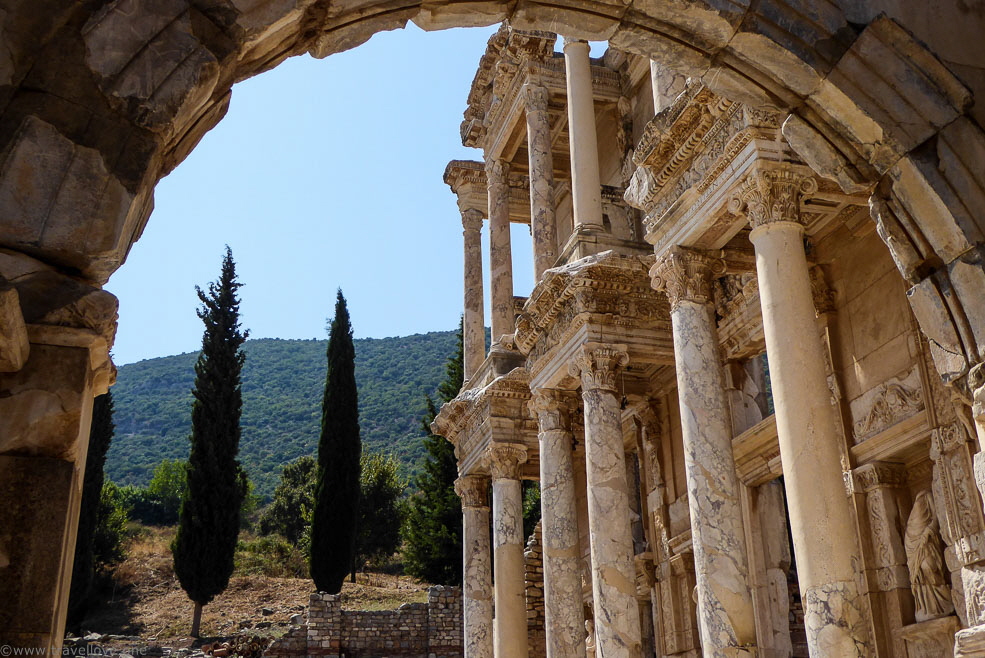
(821, 522)
(617, 621)
(586, 186)
(510, 627)
(565, 619)
(725, 611)
(500, 254)
(473, 321)
(477, 605)
(542, 222)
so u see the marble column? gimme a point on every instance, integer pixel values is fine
(510, 625)
(617, 622)
(477, 605)
(725, 611)
(500, 254)
(586, 185)
(473, 320)
(542, 221)
(565, 618)
(823, 529)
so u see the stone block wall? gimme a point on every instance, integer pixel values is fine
(414, 630)
(533, 559)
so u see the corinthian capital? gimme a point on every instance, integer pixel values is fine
(686, 275)
(535, 97)
(598, 365)
(473, 490)
(553, 408)
(772, 195)
(472, 220)
(497, 172)
(505, 460)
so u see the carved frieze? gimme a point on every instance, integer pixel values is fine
(957, 498)
(886, 405)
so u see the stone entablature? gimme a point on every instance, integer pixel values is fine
(598, 294)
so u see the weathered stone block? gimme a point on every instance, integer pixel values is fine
(342, 34)
(14, 345)
(442, 15)
(967, 276)
(928, 300)
(824, 157)
(577, 19)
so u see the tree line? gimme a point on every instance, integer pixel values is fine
(343, 508)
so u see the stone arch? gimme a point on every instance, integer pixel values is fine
(114, 98)
(99, 100)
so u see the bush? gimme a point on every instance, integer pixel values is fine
(111, 527)
(269, 556)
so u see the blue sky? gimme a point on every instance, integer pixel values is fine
(323, 174)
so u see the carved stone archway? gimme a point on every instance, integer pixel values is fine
(100, 99)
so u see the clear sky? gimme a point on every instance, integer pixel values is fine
(323, 174)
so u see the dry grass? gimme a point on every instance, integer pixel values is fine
(145, 599)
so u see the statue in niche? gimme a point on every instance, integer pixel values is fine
(590, 638)
(925, 560)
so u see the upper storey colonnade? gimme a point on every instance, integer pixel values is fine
(680, 244)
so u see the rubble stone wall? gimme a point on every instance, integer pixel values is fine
(414, 630)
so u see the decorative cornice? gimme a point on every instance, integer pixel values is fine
(599, 364)
(505, 460)
(772, 195)
(472, 220)
(473, 490)
(687, 275)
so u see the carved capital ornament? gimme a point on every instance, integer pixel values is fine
(505, 460)
(552, 408)
(497, 172)
(535, 97)
(686, 275)
(772, 195)
(472, 220)
(473, 490)
(598, 365)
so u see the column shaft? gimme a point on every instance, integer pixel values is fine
(617, 622)
(477, 606)
(825, 544)
(510, 626)
(500, 254)
(542, 220)
(473, 321)
(725, 610)
(586, 186)
(565, 619)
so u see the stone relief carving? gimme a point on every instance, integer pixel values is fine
(772, 195)
(925, 560)
(886, 405)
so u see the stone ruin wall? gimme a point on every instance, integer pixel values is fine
(533, 561)
(414, 630)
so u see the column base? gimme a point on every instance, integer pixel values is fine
(932, 638)
(969, 642)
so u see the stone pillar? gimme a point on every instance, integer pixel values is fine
(542, 224)
(510, 625)
(500, 254)
(725, 610)
(477, 577)
(473, 321)
(586, 186)
(565, 619)
(821, 521)
(45, 415)
(617, 623)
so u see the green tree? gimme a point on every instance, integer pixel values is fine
(293, 496)
(205, 543)
(380, 508)
(336, 513)
(167, 487)
(84, 569)
(433, 529)
(111, 529)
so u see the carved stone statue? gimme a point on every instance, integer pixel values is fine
(925, 560)
(590, 638)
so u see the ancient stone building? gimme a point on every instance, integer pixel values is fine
(749, 377)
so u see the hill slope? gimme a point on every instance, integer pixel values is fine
(283, 381)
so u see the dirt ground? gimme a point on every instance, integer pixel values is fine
(144, 600)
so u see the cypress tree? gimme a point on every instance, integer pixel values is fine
(83, 570)
(335, 518)
(433, 531)
(210, 508)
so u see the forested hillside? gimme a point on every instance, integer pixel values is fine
(283, 381)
